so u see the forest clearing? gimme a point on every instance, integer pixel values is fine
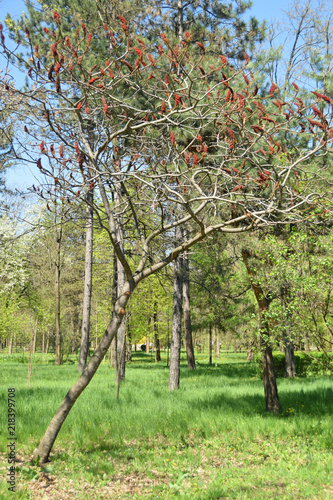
(211, 439)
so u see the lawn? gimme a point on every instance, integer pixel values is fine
(211, 439)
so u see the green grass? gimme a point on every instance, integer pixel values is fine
(211, 439)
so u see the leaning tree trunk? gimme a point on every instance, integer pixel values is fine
(176, 328)
(43, 451)
(187, 314)
(84, 349)
(271, 392)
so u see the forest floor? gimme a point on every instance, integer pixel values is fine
(211, 439)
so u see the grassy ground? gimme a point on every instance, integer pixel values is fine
(210, 440)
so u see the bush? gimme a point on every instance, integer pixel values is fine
(314, 363)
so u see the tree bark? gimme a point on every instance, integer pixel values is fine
(34, 339)
(113, 346)
(250, 354)
(217, 344)
(176, 328)
(113, 353)
(129, 339)
(47, 343)
(288, 343)
(187, 314)
(271, 392)
(121, 334)
(43, 451)
(57, 339)
(289, 355)
(156, 338)
(84, 349)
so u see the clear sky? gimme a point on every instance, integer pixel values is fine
(21, 177)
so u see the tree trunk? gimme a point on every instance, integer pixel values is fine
(156, 338)
(271, 392)
(289, 355)
(121, 334)
(113, 347)
(176, 328)
(210, 345)
(187, 314)
(250, 354)
(10, 344)
(43, 343)
(113, 353)
(129, 339)
(34, 339)
(46, 444)
(217, 344)
(84, 349)
(288, 337)
(47, 343)
(58, 339)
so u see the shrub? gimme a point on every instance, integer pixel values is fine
(314, 363)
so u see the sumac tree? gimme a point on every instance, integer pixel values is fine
(187, 139)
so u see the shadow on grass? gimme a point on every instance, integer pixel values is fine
(239, 370)
(294, 403)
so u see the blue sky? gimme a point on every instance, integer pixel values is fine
(262, 9)
(21, 177)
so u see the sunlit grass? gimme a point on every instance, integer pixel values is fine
(210, 437)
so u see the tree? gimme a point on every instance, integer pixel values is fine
(87, 284)
(210, 183)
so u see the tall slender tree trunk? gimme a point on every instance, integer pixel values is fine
(210, 344)
(47, 343)
(34, 338)
(176, 328)
(43, 451)
(84, 349)
(57, 271)
(121, 334)
(187, 314)
(271, 392)
(156, 338)
(288, 343)
(129, 347)
(113, 346)
(217, 344)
